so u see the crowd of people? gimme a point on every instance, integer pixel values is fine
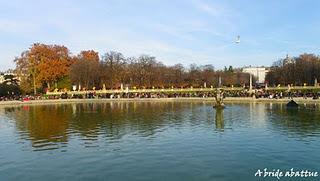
(256, 93)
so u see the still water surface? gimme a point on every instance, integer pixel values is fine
(155, 141)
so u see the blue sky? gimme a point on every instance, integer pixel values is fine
(175, 31)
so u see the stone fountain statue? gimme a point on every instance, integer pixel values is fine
(219, 97)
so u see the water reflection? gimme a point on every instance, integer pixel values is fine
(48, 126)
(153, 140)
(304, 121)
(44, 126)
(52, 126)
(219, 119)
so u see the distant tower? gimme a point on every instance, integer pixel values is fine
(287, 60)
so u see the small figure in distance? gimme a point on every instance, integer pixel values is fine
(238, 39)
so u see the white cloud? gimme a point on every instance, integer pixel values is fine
(217, 10)
(201, 38)
(179, 32)
(210, 9)
(15, 26)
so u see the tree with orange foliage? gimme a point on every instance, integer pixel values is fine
(43, 64)
(89, 55)
(85, 69)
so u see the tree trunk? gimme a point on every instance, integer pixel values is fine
(34, 84)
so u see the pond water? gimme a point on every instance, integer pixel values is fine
(156, 141)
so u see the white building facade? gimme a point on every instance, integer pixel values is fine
(258, 72)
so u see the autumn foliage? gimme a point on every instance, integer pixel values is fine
(304, 69)
(44, 67)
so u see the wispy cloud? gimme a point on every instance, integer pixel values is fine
(15, 26)
(176, 31)
(130, 45)
(221, 16)
(212, 9)
(201, 31)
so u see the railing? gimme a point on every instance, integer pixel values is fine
(178, 90)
